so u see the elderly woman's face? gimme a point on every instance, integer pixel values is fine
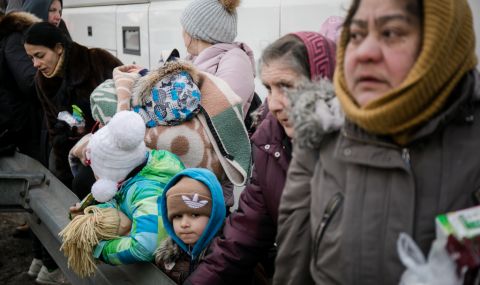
(44, 58)
(55, 13)
(385, 40)
(277, 76)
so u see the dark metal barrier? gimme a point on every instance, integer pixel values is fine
(28, 186)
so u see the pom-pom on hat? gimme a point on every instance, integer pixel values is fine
(213, 21)
(114, 151)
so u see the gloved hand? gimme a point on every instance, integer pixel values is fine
(125, 77)
(61, 133)
(64, 135)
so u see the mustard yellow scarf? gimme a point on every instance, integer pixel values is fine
(447, 54)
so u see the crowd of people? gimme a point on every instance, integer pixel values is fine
(367, 132)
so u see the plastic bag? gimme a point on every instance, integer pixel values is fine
(74, 119)
(439, 269)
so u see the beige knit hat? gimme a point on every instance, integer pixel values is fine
(188, 196)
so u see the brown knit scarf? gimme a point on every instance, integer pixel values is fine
(447, 54)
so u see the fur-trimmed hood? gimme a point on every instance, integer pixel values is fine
(315, 111)
(16, 22)
(167, 252)
(175, 262)
(143, 86)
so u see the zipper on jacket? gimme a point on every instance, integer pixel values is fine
(332, 207)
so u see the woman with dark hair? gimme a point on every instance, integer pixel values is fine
(406, 80)
(67, 74)
(21, 116)
(249, 233)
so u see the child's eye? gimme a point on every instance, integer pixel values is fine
(177, 217)
(194, 215)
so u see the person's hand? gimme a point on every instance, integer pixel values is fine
(79, 131)
(75, 210)
(125, 224)
(61, 133)
(65, 136)
(125, 77)
(79, 150)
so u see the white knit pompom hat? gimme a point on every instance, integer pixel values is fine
(114, 151)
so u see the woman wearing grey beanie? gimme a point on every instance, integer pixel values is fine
(209, 31)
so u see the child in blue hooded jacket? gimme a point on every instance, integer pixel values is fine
(193, 211)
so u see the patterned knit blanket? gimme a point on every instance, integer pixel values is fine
(215, 138)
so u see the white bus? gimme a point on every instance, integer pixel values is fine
(136, 31)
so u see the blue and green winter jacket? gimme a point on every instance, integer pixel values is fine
(139, 199)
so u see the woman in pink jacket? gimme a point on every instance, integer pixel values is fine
(209, 29)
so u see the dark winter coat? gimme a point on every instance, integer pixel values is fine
(362, 191)
(20, 114)
(249, 233)
(83, 70)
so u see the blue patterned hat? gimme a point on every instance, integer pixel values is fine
(173, 99)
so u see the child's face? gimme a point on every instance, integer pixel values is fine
(189, 227)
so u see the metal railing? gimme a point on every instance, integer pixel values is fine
(25, 185)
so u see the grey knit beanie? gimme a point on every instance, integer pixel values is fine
(213, 21)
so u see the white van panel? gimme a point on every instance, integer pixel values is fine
(165, 28)
(132, 34)
(258, 23)
(258, 26)
(92, 26)
(308, 15)
(84, 3)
